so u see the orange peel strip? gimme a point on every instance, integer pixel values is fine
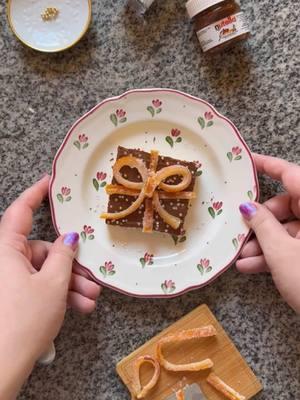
(205, 331)
(132, 162)
(148, 216)
(223, 388)
(119, 189)
(169, 219)
(177, 196)
(140, 391)
(180, 395)
(122, 214)
(153, 160)
(167, 172)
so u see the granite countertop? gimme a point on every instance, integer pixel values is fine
(257, 86)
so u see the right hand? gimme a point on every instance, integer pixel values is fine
(276, 248)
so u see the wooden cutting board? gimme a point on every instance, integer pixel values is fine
(229, 365)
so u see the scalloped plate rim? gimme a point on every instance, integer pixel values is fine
(119, 97)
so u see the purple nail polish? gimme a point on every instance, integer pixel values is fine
(71, 239)
(248, 210)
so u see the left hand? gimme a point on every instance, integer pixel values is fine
(36, 283)
(17, 219)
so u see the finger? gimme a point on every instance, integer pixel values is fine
(84, 286)
(39, 252)
(293, 228)
(280, 206)
(253, 249)
(77, 269)
(252, 265)
(281, 170)
(271, 235)
(18, 216)
(58, 265)
(81, 303)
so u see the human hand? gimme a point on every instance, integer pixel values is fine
(33, 303)
(276, 224)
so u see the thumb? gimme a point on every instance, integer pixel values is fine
(58, 265)
(270, 234)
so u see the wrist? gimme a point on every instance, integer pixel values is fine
(16, 363)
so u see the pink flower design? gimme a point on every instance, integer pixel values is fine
(216, 209)
(99, 181)
(238, 240)
(208, 115)
(87, 233)
(83, 138)
(204, 262)
(235, 154)
(241, 237)
(82, 142)
(109, 266)
(174, 138)
(204, 266)
(65, 191)
(108, 269)
(64, 194)
(120, 113)
(175, 132)
(168, 286)
(88, 229)
(147, 260)
(157, 103)
(101, 176)
(217, 205)
(198, 166)
(236, 151)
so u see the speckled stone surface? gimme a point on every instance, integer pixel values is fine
(257, 86)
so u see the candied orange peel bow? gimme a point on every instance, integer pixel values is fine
(205, 331)
(147, 189)
(141, 392)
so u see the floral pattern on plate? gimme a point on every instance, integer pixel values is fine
(168, 286)
(64, 194)
(108, 269)
(99, 181)
(204, 266)
(206, 121)
(156, 107)
(81, 142)
(235, 154)
(118, 117)
(216, 209)
(237, 240)
(87, 233)
(174, 137)
(147, 260)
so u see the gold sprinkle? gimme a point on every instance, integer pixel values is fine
(50, 14)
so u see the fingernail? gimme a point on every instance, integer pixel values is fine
(248, 210)
(71, 239)
(43, 175)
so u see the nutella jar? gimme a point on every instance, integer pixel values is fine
(218, 23)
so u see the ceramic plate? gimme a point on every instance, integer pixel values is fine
(180, 126)
(49, 26)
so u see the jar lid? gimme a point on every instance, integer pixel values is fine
(195, 7)
(49, 26)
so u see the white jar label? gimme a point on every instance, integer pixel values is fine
(220, 32)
